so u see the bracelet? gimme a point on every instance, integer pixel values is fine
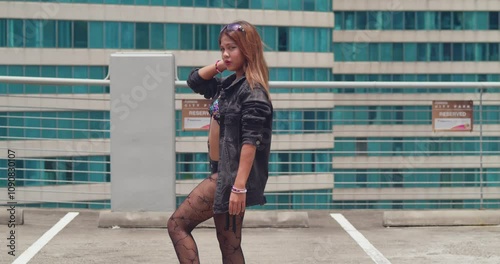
(236, 190)
(216, 68)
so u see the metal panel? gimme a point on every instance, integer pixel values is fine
(142, 135)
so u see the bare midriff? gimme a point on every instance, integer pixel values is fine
(213, 140)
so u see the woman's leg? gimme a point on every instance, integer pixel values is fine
(229, 235)
(197, 208)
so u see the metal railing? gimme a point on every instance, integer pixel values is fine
(273, 84)
(324, 155)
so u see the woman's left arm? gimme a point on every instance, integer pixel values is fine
(237, 201)
(246, 160)
(256, 109)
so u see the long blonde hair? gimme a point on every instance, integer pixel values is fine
(252, 49)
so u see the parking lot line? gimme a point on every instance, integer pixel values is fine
(43, 240)
(376, 256)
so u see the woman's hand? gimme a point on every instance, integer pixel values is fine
(221, 65)
(237, 203)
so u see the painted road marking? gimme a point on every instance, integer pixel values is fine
(376, 256)
(43, 240)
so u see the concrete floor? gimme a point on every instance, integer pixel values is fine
(325, 241)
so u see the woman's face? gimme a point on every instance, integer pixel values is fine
(231, 55)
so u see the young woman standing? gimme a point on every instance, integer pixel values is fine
(239, 144)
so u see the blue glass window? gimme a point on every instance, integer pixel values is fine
(409, 20)
(157, 2)
(493, 51)
(3, 32)
(339, 19)
(96, 31)
(410, 51)
(142, 35)
(157, 36)
(257, 4)
(15, 33)
(417, 20)
(298, 5)
(269, 4)
(32, 33)
(64, 34)
(397, 51)
(48, 33)
(127, 36)
(361, 20)
(446, 20)
(187, 36)
(458, 21)
(458, 51)
(283, 39)
(201, 39)
(482, 20)
(172, 36)
(66, 125)
(373, 52)
(494, 20)
(397, 20)
(285, 4)
(80, 35)
(434, 52)
(112, 33)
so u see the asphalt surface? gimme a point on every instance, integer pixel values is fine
(324, 241)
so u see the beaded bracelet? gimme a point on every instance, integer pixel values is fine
(236, 190)
(216, 68)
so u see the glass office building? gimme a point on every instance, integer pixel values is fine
(306, 40)
(397, 155)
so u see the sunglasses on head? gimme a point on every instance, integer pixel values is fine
(232, 27)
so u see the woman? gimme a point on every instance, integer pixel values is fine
(239, 144)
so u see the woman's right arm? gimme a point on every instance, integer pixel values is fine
(202, 80)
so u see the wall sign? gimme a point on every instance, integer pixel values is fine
(452, 115)
(195, 116)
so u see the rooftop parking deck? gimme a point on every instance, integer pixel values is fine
(324, 241)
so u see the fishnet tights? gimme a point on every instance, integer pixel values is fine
(197, 208)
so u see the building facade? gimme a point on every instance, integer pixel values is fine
(397, 157)
(335, 148)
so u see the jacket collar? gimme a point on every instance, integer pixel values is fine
(230, 82)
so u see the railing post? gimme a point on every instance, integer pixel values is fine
(142, 132)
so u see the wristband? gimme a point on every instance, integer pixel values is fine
(216, 68)
(236, 190)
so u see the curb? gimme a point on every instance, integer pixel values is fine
(6, 216)
(253, 219)
(442, 218)
(263, 219)
(133, 219)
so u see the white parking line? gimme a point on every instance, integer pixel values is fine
(376, 256)
(43, 240)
